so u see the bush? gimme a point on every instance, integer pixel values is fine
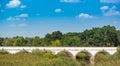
(48, 54)
(37, 52)
(83, 58)
(101, 56)
(64, 54)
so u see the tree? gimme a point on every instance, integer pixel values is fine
(56, 43)
(19, 41)
(8, 42)
(118, 37)
(56, 35)
(28, 41)
(1, 41)
(36, 41)
(106, 36)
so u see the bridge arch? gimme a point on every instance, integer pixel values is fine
(22, 51)
(101, 56)
(103, 52)
(65, 53)
(83, 55)
(48, 51)
(84, 51)
(4, 52)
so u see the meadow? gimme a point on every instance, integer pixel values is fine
(40, 58)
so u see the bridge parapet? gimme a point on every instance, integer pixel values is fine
(72, 50)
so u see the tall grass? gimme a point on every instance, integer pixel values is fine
(47, 58)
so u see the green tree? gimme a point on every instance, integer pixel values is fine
(56, 43)
(19, 41)
(1, 41)
(36, 41)
(8, 42)
(56, 35)
(28, 41)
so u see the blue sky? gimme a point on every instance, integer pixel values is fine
(38, 17)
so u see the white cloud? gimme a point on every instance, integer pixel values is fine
(13, 3)
(23, 6)
(13, 19)
(22, 15)
(84, 15)
(110, 11)
(104, 7)
(70, 1)
(110, 1)
(22, 25)
(18, 17)
(18, 25)
(58, 10)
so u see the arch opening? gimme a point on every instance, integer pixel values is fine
(64, 53)
(83, 57)
(22, 52)
(48, 54)
(4, 52)
(101, 56)
(37, 52)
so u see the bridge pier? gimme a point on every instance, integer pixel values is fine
(92, 60)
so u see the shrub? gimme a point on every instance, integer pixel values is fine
(37, 52)
(83, 58)
(101, 56)
(64, 54)
(48, 54)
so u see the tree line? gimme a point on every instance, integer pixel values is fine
(106, 36)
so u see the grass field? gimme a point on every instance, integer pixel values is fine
(38, 58)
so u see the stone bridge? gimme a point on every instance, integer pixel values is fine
(91, 51)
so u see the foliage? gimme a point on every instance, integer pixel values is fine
(106, 36)
(1, 41)
(64, 54)
(83, 58)
(37, 52)
(56, 43)
(36, 41)
(48, 54)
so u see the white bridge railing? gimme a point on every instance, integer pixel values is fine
(72, 50)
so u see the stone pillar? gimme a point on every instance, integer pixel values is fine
(92, 58)
(74, 57)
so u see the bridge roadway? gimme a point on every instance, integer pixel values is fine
(91, 51)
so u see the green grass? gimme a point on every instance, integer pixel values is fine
(40, 58)
(25, 59)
